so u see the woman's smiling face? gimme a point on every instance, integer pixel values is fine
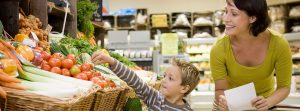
(236, 21)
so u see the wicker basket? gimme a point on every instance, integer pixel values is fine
(106, 100)
(131, 93)
(122, 100)
(18, 100)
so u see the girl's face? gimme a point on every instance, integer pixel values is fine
(236, 21)
(171, 83)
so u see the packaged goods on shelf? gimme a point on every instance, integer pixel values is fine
(295, 12)
(159, 20)
(181, 20)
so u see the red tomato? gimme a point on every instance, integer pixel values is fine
(56, 70)
(95, 79)
(107, 80)
(81, 76)
(58, 56)
(54, 62)
(101, 77)
(44, 63)
(67, 63)
(96, 74)
(72, 57)
(46, 67)
(46, 55)
(85, 67)
(65, 72)
(112, 84)
(89, 74)
(102, 84)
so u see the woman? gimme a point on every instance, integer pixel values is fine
(249, 52)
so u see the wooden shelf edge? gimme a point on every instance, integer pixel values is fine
(58, 11)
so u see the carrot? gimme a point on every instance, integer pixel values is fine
(5, 78)
(12, 85)
(92, 41)
(2, 93)
(2, 47)
(7, 44)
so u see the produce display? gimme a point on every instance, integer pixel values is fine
(33, 24)
(60, 70)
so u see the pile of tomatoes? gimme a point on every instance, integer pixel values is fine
(59, 64)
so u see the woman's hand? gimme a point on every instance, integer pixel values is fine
(100, 57)
(260, 103)
(222, 104)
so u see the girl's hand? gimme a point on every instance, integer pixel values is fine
(260, 103)
(100, 57)
(222, 105)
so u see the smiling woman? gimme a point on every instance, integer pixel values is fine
(249, 52)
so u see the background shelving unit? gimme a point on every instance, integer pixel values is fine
(283, 18)
(199, 28)
(145, 26)
(181, 28)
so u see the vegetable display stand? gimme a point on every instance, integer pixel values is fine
(131, 93)
(106, 100)
(122, 99)
(18, 100)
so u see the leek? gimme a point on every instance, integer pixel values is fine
(37, 86)
(62, 93)
(104, 69)
(84, 85)
(38, 78)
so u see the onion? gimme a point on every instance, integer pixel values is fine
(38, 58)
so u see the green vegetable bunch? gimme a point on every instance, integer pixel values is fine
(82, 44)
(85, 10)
(122, 59)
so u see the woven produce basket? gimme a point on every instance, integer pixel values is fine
(122, 100)
(131, 93)
(106, 99)
(18, 100)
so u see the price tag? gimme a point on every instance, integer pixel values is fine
(35, 37)
(169, 44)
(29, 42)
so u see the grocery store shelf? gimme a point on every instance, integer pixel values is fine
(203, 25)
(141, 59)
(98, 24)
(192, 41)
(199, 52)
(160, 27)
(296, 56)
(181, 26)
(59, 11)
(296, 73)
(137, 45)
(197, 61)
(292, 36)
(125, 28)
